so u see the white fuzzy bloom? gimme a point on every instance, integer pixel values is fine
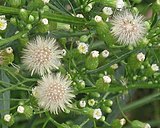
(44, 21)
(107, 11)
(82, 103)
(46, 1)
(105, 53)
(122, 121)
(83, 48)
(3, 22)
(95, 54)
(7, 118)
(98, 18)
(97, 114)
(54, 93)
(128, 28)
(120, 4)
(154, 67)
(107, 79)
(20, 109)
(141, 57)
(147, 126)
(79, 16)
(114, 66)
(42, 55)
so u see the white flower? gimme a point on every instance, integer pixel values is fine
(91, 102)
(155, 67)
(147, 126)
(128, 28)
(141, 57)
(95, 54)
(83, 48)
(120, 4)
(82, 103)
(114, 66)
(79, 16)
(54, 93)
(44, 21)
(107, 79)
(122, 121)
(20, 109)
(7, 117)
(97, 114)
(3, 22)
(107, 11)
(98, 18)
(105, 53)
(42, 55)
(46, 1)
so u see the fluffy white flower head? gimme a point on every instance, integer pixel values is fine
(42, 55)
(141, 57)
(97, 114)
(128, 28)
(107, 11)
(54, 93)
(3, 23)
(83, 48)
(20, 109)
(155, 67)
(95, 54)
(98, 18)
(7, 117)
(82, 103)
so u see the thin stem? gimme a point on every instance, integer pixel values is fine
(122, 111)
(12, 38)
(83, 123)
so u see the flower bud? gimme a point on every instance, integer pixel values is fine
(23, 14)
(116, 124)
(92, 60)
(8, 119)
(82, 103)
(95, 94)
(139, 124)
(84, 38)
(28, 111)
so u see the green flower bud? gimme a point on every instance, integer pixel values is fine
(8, 120)
(106, 109)
(88, 111)
(15, 3)
(23, 14)
(116, 124)
(84, 38)
(13, 21)
(108, 103)
(88, 8)
(102, 84)
(92, 60)
(31, 19)
(29, 26)
(95, 94)
(156, 6)
(139, 124)
(103, 32)
(28, 111)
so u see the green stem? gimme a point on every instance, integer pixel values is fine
(122, 111)
(12, 38)
(54, 17)
(83, 123)
(121, 88)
